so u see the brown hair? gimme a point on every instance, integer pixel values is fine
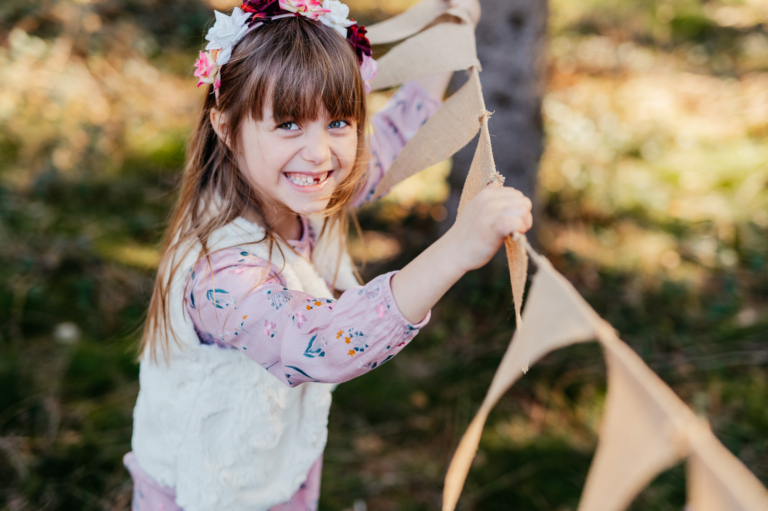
(291, 61)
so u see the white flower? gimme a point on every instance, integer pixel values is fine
(224, 56)
(337, 18)
(227, 31)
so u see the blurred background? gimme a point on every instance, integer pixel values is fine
(642, 124)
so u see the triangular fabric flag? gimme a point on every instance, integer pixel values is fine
(452, 127)
(643, 431)
(406, 23)
(482, 172)
(517, 257)
(555, 316)
(462, 459)
(717, 480)
(551, 297)
(444, 47)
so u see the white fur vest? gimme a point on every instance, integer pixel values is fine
(215, 425)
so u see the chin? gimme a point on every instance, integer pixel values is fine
(311, 207)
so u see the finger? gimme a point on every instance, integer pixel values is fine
(521, 213)
(524, 216)
(488, 195)
(517, 205)
(512, 192)
(496, 189)
(528, 220)
(495, 200)
(505, 225)
(517, 201)
(524, 201)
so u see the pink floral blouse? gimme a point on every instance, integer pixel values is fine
(297, 337)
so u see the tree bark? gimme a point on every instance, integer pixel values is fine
(511, 46)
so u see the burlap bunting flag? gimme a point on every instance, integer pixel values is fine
(646, 428)
(642, 432)
(449, 125)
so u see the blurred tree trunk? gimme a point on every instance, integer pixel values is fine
(511, 46)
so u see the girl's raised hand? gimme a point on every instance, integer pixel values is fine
(492, 215)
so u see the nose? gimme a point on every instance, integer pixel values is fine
(317, 149)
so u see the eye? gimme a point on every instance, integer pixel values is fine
(288, 126)
(338, 124)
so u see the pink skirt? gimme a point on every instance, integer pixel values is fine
(149, 495)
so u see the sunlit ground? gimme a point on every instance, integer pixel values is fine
(655, 205)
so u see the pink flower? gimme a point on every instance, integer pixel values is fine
(209, 66)
(206, 68)
(381, 309)
(311, 9)
(300, 319)
(269, 328)
(368, 71)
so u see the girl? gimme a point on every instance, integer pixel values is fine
(244, 338)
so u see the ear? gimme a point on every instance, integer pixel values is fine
(220, 123)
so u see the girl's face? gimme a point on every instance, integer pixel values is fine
(298, 165)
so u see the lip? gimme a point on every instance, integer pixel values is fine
(311, 188)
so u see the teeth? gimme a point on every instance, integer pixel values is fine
(305, 179)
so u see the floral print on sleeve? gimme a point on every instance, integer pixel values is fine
(243, 304)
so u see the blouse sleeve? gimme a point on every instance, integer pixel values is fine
(393, 127)
(242, 303)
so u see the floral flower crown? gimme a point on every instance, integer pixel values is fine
(229, 30)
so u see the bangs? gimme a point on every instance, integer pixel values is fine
(310, 67)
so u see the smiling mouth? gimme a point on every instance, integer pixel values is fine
(300, 179)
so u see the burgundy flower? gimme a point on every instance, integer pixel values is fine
(262, 9)
(356, 36)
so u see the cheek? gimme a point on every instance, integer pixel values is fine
(264, 157)
(347, 154)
